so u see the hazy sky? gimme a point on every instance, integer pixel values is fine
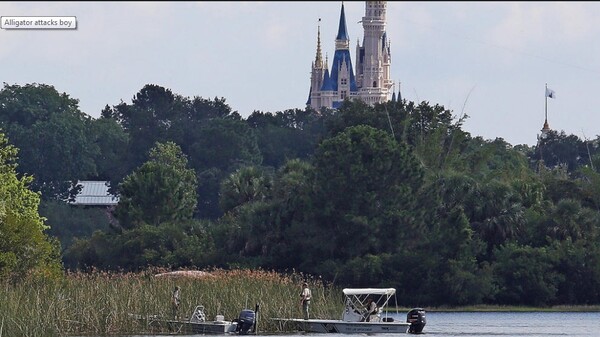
(490, 60)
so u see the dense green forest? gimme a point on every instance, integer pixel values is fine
(395, 195)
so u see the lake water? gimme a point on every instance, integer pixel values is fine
(485, 324)
(531, 324)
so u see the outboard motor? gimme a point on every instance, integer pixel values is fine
(417, 320)
(246, 321)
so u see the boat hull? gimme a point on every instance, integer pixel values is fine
(338, 326)
(190, 327)
(202, 327)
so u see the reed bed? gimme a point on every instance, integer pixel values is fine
(104, 304)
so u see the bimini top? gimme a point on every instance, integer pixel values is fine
(369, 291)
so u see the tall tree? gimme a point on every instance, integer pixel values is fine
(161, 190)
(366, 184)
(245, 185)
(561, 149)
(226, 144)
(25, 105)
(60, 152)
(147, 120)
(52, 134)
(112, 142)
(24, 246)
(286, 135)
(526, 275)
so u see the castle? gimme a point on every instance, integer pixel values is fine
(372, 82)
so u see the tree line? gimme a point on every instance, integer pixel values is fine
(394, 195)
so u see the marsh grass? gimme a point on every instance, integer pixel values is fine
(102, 304)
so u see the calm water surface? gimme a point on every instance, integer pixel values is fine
(531, 324)
(483, 324)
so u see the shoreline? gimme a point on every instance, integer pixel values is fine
(501, 308)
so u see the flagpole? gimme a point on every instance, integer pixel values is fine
(546, 105)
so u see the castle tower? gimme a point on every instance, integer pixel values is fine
(375, 57)
(317, 74)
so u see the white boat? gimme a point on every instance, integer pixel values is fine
(356, 319)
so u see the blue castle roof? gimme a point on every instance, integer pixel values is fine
(327, 83)
(342, 30)
(338, 57)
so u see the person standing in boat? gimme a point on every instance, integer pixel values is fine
(371, 307)
(305, 299)
(175, 300)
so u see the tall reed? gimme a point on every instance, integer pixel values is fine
(101, 303)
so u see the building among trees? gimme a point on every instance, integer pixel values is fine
(371, 82)
(95, 193)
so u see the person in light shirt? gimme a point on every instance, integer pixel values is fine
(175, 302)
(305, 299)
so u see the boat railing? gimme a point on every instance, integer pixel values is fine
(198, 315)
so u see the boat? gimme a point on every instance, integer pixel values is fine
(197, 323)
(356, 319)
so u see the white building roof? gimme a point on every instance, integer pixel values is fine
(95, 193)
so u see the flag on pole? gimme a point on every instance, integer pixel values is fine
(550, 93)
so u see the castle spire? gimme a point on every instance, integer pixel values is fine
(319, 57)
(342, 41)
(342, 30)
(399, 92)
